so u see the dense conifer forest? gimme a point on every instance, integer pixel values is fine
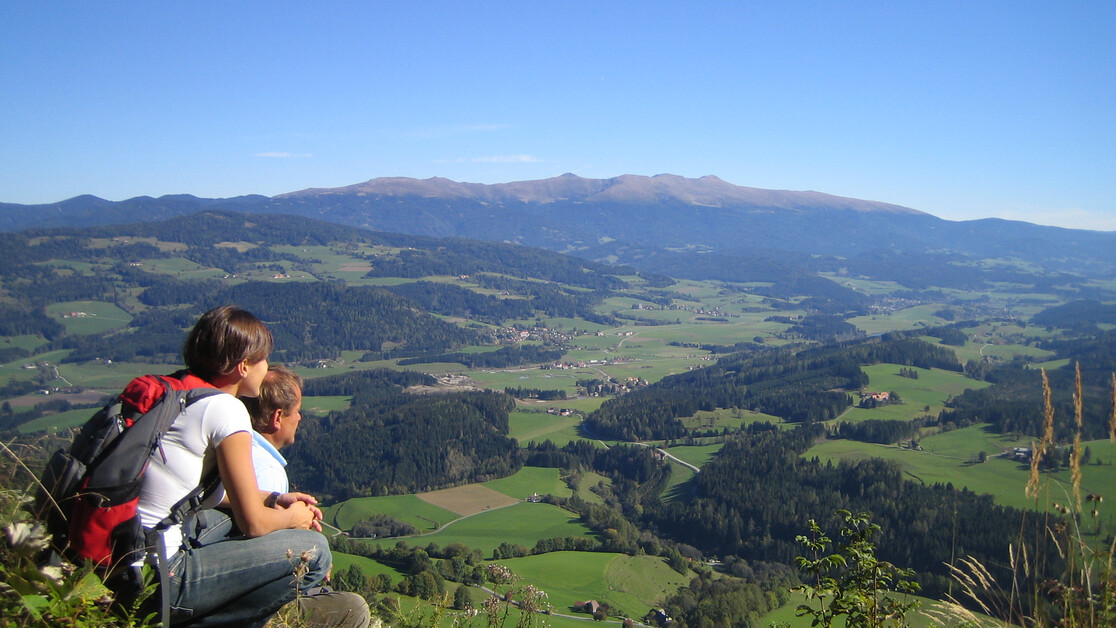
(391, 442)
(804, 387)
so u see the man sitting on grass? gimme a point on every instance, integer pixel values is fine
(275, 415)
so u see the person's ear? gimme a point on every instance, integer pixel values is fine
(242, 368)
(276, 419)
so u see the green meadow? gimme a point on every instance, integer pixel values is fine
(697, 455)
(632, 586)
(325, 404)
(420, 613)
(865, 286)
(951, 458)
(529, 481)
(428, 518)
(588, 480)
(519, 524)
(370, 567)
(585, 405)
(25, 342)
(925, 395)
(330, 262)
(698, 332)
(182, 268)
(538, 426)
(680, 475)
(909, 318)
(732, 418)
(88, 317)
(110, 379)
(562, 323)
(1000, 341)
(652, 369)
(57, 421)
(679, 487)
(410, 509)
(76, 267)
(528, 377)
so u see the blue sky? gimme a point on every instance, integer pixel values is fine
(960, 109)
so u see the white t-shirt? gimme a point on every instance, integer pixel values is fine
(271, 474)
(190, 447)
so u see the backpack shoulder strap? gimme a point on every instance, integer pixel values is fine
(179, 512)
(189, 389)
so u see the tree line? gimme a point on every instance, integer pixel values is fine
(500, 358)
(392, 442)
(759, 493)
(1014, 401)
(801, 386)
(459, 256)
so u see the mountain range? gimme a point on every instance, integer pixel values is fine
(644, 221)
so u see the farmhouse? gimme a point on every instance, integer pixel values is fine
(588, 606)
(872, 400)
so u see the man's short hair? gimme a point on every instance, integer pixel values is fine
(224, 337)
(280, 390)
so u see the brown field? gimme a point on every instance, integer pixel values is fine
(467, 500)
(239, 246)
(356, 267)
(84, 397)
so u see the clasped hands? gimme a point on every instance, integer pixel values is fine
(302, 501)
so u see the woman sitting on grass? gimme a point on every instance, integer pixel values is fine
(216, 578)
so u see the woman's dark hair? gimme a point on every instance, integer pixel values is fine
(222, 338)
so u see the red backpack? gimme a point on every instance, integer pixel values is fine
(89, 493)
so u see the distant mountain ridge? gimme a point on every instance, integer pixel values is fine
(644, 221)
(709, 191)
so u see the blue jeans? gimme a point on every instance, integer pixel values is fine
(239, 581)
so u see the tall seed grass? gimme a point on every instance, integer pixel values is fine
(1083, 595)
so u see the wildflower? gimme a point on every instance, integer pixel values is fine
(27, 539)
(499, 574)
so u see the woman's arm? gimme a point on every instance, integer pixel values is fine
(234, 462)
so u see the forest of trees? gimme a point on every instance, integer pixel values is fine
(500, 358)
(456, 256)
(1083, 316)
(308, 320)
(877, 430)
(743, 600)
(759, 493)
(392, 442)
(1010, 403)
(316, 320)
(450, 300)
(808, 386)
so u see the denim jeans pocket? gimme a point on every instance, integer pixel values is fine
(204, 527)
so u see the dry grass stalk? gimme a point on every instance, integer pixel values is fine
(1075, 458)
(1047, 437)
(975, 579)
(1112, 417)
(950, 613)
